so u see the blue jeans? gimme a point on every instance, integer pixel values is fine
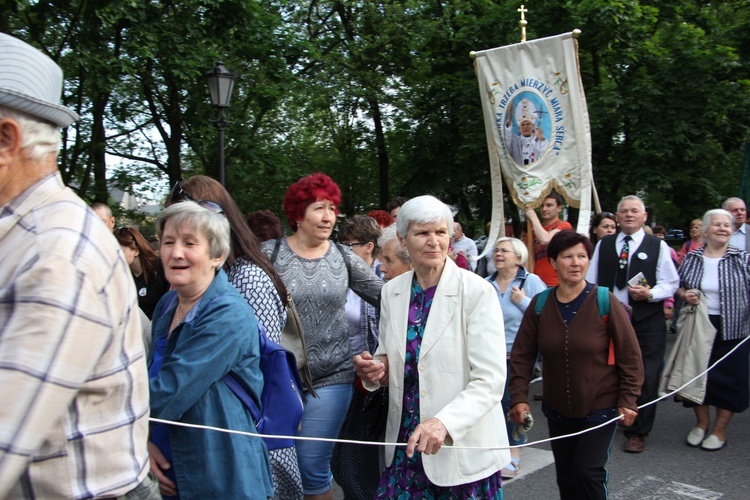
(322, 418)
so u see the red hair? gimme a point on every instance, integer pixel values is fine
(384, 218)
(307, 190)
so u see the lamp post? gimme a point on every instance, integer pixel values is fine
(220, 85)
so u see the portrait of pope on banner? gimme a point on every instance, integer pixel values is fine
(524, 134)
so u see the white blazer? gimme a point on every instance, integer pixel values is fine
(462, 370)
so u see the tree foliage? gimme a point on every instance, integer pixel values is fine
(381, 94)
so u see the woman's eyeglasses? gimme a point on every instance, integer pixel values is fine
(353, 243)
(178, 194)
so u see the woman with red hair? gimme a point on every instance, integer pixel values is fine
(318, 273)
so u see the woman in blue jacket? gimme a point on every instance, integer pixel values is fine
(202, 331)
(515, 287)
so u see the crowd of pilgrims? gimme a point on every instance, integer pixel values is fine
(335, 268)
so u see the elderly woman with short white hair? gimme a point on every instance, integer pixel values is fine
(394, 259)
(203, 332)
(440, 352)
(722, 273)
(515, 287)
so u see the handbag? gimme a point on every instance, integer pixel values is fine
(279, 411)
(375, 413)
(293, 340)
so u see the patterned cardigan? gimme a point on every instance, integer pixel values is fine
(734, 288)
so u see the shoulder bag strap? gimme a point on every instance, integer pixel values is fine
(346, 261)
(275, 250)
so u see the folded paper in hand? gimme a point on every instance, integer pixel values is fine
(638, 280)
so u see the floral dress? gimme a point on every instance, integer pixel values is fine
(405, 478)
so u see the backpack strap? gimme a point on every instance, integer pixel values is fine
(236, 387)
(602, 300)
(541, 300)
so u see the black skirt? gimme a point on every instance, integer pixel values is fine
(728, 385)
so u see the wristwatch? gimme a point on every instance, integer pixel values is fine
(650, 296)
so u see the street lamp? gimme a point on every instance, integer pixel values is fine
(220, 85)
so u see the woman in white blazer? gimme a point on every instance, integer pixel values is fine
(442, 355)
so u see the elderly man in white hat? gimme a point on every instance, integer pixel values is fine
(74, 422)
(529, 144)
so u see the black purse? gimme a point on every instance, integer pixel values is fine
(375, 413)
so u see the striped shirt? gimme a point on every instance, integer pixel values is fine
(734, 284)
(74, 422)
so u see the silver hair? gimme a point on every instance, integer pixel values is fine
(633, 198)
(388, 234)
(107, 211)
(215, 227)
(715, 211)
(39, 137)
(424, 210)
(518, 248)
(731, 200)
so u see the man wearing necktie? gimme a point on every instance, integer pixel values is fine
(616, 260)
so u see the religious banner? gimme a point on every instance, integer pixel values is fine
(537, 123)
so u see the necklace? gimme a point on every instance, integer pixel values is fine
(179, 314)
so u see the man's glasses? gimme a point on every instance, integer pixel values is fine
(178, 194)
(353, 243)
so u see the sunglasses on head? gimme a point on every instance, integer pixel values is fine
(210, 205)
(178, 194)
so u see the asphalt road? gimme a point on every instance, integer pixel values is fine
(667, 470)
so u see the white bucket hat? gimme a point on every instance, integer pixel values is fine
(32, 82)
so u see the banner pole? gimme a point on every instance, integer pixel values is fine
(530, 245)
(523, 22)
(529, 228)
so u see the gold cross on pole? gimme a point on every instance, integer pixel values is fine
(523, 22)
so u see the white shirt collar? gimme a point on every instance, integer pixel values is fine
(636, 237)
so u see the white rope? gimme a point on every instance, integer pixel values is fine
(372, 443)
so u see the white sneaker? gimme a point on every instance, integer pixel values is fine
(695, 438)
(510, 470)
